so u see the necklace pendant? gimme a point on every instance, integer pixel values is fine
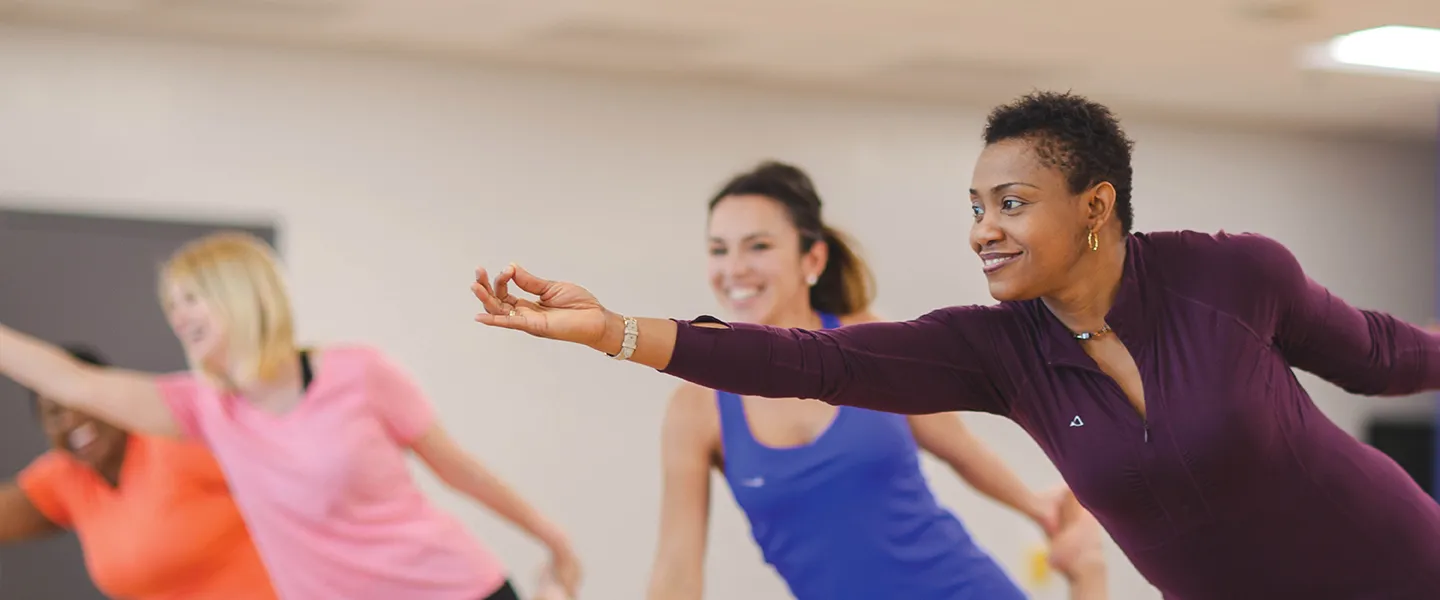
(1090, 335)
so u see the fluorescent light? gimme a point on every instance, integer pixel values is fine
(1392, 47)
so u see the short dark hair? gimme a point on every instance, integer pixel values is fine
(845, 286)
(80, 352)
(1081, 138)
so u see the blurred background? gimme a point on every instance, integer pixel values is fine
(389, 147)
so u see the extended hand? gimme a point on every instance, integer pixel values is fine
(560, 580)
(561, 311)
(565, 568)
(1047, 509)
(1076, 548)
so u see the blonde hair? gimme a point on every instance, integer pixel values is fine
(238, 276)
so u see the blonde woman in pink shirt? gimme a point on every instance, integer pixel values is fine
(313, 443)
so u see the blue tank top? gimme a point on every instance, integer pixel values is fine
(850, 515)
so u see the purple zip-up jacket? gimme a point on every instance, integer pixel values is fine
(1234, 487)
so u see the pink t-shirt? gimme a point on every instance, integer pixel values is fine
(325, 488)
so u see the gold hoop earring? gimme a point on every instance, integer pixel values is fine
(1093, 240)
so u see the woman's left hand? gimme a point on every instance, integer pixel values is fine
(565, 570)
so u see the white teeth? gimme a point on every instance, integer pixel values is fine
(82, 436)
(990, 262)
(743, 293)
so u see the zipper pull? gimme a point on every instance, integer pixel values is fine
(1147, 432)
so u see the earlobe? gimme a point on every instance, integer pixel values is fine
(815, 261)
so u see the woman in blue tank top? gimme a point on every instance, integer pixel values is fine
(835, 496)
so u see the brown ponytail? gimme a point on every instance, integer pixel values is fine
(846, 286)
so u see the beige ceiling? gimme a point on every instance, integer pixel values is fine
(1208, 60)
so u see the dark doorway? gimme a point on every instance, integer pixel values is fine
(91, 280)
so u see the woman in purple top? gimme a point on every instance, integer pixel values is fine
(1153, 368)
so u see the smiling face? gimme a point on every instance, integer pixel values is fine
(226, 302)
(757, 268)
(88, 439)
(1030, 231)
(201, 332)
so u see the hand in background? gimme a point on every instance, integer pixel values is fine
(1046, 513)
(549, 588)
(1076, 550)
(565, 568)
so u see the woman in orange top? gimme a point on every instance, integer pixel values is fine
(154, 516)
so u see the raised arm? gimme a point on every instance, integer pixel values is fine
(935, 363)
(1362, 351)
(690, 441)
(19, 519)
(129, 399)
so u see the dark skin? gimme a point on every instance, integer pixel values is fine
(1025, 212)
(90, 440)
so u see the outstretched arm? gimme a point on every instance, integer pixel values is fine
(411, 422)
(689, 442)
(128, 399)
(946, 436)
(464, 474)
(936, 363)
(1362, 351)
(19, 519)
(922, 366)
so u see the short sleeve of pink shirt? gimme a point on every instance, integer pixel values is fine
(398, 400)
(181, 392)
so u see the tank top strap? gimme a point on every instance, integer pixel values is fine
(829, 321)
(732, 415)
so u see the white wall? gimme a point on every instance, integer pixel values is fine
(392, 180)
